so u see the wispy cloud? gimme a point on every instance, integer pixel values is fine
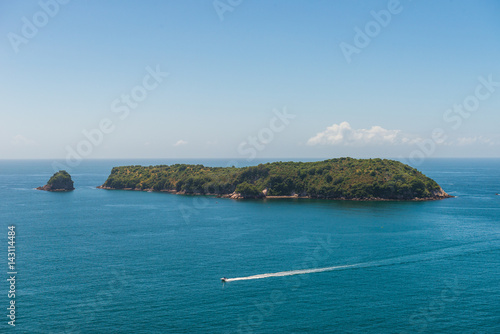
(344, 134)
(180, 142)
(463, 141)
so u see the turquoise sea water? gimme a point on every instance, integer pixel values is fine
(96, 261)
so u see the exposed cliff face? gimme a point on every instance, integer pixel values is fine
(440, 193)
(60, 181)
(236, 195)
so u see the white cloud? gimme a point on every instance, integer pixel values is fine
(476, 140)
(180, 143)
(344, 134)
(20, 140)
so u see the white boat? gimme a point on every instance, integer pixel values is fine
(223, 279)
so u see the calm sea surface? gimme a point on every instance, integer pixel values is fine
(97, 261)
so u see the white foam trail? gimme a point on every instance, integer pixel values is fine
(432, 255)
(290, 273)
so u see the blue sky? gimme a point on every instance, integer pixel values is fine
(429, 67)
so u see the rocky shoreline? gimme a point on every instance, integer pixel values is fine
(439, 195)
(48, 188)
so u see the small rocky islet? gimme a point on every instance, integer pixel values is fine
(60, 182)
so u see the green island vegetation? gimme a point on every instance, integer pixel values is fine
(60, 181)
(342, 178)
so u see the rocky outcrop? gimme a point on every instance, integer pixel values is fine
(236, 195)
(440, 193)
(60, 181)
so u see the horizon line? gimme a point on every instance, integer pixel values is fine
(239, 158)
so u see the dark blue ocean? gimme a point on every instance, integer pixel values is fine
(97, 261)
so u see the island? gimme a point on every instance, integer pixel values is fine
(60, 181)
(341, 178)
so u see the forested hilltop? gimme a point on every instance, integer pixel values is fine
(60, 181)
(343, 178)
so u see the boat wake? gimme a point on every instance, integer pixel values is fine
(426, 256)
(291, 273)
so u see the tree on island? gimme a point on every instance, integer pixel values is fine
(248, 190)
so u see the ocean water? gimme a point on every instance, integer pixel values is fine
(97, 261)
